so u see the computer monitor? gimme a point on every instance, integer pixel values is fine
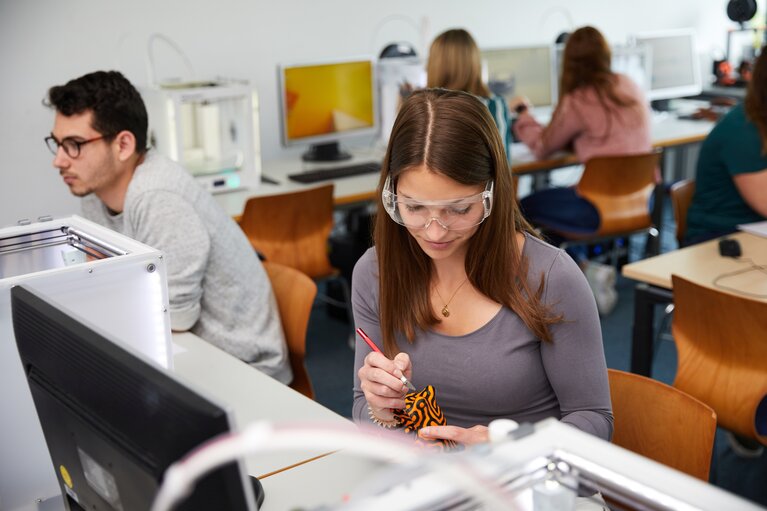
(523, 70)
(675, 64)
(634, 61)
(322, 103)
(114, 421)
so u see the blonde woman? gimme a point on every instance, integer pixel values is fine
(455, 63)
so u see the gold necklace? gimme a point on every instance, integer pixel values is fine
(445, 310)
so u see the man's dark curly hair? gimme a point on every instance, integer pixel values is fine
(116, 104)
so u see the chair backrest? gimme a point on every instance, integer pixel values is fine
(295, 294)
(681, 196)
(620, 188)
(662, 423)
(721, 343)
(292, 228)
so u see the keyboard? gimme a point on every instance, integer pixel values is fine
(312, 176)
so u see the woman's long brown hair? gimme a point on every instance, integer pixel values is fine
(455, 63)
(452, 133)
(586, 63)
(756, 98)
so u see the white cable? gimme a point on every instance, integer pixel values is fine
(261, 437)
(383, 22)
(150, 70)
(560, 9)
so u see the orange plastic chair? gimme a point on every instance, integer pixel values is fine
(295, 294)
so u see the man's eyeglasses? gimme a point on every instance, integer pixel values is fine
(70, 145)
(455, 214)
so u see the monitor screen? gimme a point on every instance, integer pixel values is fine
(112, 420)
(675, 66)
(633, 60)
(327, 101)
(519, 71)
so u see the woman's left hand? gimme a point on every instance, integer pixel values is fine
(466, 436)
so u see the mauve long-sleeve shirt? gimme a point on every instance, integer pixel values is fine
(502, 370)
(581, 120)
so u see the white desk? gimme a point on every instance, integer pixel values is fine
(326, 481)
(250, 394)
(348, 190)
(668, 132)
(699, 263)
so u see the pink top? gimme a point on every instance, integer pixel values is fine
(581, 119)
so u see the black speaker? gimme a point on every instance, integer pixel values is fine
(741, 10)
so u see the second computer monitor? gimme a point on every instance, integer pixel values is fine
(675, 66)
(325, 102)
(520, 71)
(633, 60)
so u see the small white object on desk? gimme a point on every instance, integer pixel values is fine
(755, 228)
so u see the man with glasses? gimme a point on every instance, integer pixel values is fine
(218, 288)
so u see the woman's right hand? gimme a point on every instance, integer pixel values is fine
(519, 104)
(380, 381)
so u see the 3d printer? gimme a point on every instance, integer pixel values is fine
(211, 128)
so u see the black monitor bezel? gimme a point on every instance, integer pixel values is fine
(110, 395)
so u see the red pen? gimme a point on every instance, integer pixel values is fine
(373, 347)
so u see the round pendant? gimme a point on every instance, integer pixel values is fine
(445, 312)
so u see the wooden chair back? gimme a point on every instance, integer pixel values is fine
(620, 188)
(292, 229)
(681, 196)
(721, 343)
(662, 423)
(295, 294)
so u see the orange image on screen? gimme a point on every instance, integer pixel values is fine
(328, 98)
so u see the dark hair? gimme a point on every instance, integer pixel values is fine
(116, 104)
(756, 98)
(586, 62)
(453, 133)
(455, 63)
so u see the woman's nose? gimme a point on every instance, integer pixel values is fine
(434, 230)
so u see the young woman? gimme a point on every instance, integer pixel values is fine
(455, 63)
(731, 179)
(459, 294)
(599, 113)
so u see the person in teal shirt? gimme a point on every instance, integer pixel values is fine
(731, 178)
(455, 63)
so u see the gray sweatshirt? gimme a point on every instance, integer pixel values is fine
(502, 370)
(218, 288)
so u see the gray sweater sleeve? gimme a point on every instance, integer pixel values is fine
(365, 308)
(575, 362)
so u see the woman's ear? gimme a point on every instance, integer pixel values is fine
(126, 145)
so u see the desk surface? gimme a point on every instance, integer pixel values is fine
(326, 481)
(702, 264)
(250, 394)
(667, 131)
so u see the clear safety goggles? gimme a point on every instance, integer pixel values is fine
(455, 214)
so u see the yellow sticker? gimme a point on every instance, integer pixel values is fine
(65, 475)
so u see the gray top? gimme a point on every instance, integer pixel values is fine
(502, 370)
(218, 288)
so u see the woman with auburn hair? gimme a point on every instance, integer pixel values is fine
(599, 113)
(731, 178)
(455, 63)
(460, 294)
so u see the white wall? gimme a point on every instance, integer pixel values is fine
(47, 42)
